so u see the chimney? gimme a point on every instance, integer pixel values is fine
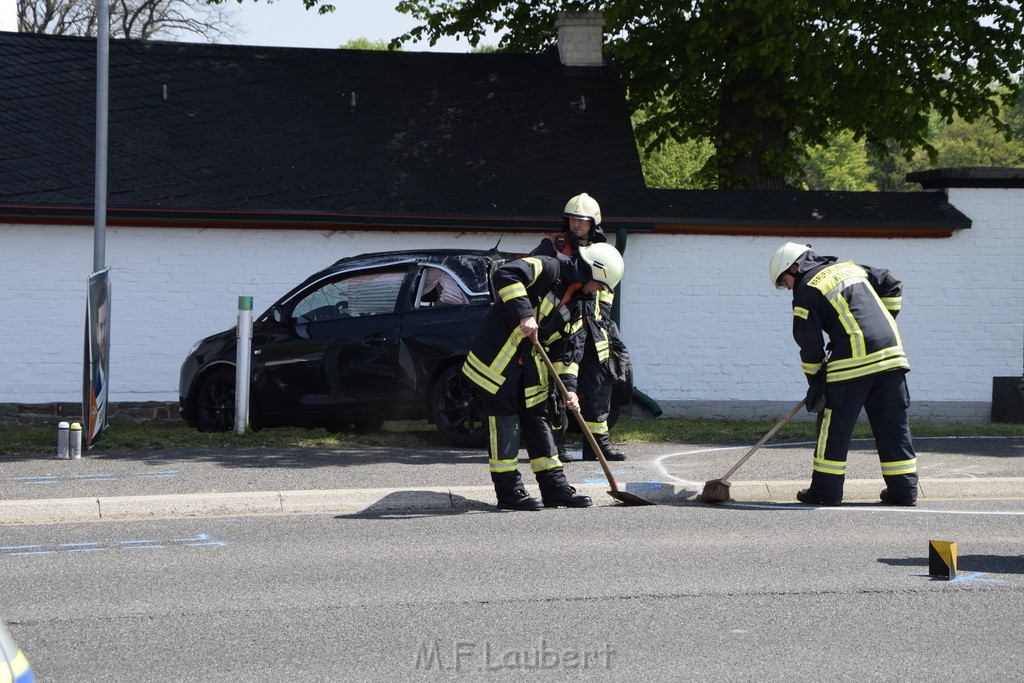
(580, 37)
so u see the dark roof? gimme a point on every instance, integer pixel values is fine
(258, 129)
(264, 136)
(893, 212)
(969, 176)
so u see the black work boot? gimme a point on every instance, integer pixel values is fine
(512, 494)
(610, 452)
(907, 500)
(809, 497)
(556, 491)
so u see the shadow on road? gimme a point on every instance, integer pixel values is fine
(408, 504)
(988, 564)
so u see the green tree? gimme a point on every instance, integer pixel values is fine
(366, 44)
(841, 165)
(956, 143)
(675, 164)
(764, 80)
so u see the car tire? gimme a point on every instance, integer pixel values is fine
(456, 409)
(215, 401)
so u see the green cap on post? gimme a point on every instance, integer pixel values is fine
(245, 303)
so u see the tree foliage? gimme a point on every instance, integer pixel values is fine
(765, 80)
(138, 19)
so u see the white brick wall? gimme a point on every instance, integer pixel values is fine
(708, 333)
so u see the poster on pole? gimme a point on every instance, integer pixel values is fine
(97, 356)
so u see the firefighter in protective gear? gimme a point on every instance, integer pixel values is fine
(582, 221)
(856, 307)
(514, 380)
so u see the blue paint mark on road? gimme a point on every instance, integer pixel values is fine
(975, 576)
(197, 541)
(102, 476)
(43, 479)
(643, 485)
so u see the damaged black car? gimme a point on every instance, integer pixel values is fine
(371, 338)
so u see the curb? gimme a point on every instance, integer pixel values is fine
(384, 502)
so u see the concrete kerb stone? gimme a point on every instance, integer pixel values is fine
(48, 511)
(385, 501)
(190, 505)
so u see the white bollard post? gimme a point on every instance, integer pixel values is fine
(243, 356)
(62, 440)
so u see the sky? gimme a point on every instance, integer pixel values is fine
(286, 23)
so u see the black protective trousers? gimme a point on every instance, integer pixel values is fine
(885, 399)
(594, 387)
(508, 416)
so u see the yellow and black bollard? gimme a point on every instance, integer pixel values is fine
(942, 559)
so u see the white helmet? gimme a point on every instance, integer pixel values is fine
(782, 259)
(584, 206)
(605, 263)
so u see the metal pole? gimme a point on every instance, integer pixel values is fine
(243, 356)
(99, 250)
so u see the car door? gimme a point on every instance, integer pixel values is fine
(339, 347)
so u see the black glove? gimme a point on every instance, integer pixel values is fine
(557, 416)
(815, 399)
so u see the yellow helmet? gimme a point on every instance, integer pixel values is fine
(584, 206)
(605, 263)
(783, 258)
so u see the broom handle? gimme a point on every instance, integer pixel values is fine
(764, 439)
(579, 418)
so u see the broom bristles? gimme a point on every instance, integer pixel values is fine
(715, 491)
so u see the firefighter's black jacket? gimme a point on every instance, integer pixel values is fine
(534, 285)
(596, 308)
(856, 306)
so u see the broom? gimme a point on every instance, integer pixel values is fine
(717, 490)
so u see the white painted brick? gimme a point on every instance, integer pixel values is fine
(698, 313)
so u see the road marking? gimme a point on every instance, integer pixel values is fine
(975, 576)
(53, 479)
(799, 507)
(43, 479)
(197, 541)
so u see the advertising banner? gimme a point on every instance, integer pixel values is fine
(97, 356)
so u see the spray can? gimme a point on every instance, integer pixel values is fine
(76, 441)
(62, 441)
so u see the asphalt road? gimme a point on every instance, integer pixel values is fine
(206, 565)
(740, 592)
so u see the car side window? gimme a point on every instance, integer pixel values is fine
(439, 288)
(358, 295)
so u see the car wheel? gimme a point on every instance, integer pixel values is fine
(456, 410)
(215, 401)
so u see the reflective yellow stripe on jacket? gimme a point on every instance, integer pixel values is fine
(491, 377)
